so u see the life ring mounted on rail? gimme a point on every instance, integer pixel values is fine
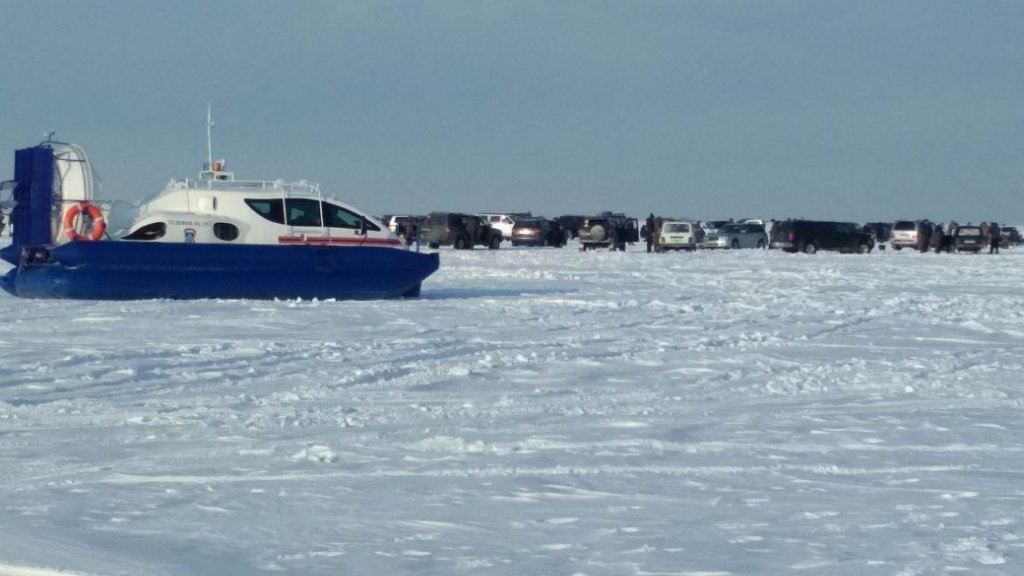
(99, 225)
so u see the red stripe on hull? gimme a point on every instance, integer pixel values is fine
(324, 241)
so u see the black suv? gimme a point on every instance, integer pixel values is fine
(812, 235)
(609, 230)
(463, 231)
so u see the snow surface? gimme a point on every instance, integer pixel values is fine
(537, 411)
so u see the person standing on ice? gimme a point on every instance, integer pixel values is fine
(938, 238)
(995, 236)
(472, 224)
(409, 231)
(950, 233)
(925, 235)
(650, 232)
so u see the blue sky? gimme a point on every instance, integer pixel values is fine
(848, 110)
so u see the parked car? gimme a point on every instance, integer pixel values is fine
(570, 224)
(609, 230)
(677, 235)
(737, 236)
(463, 231)
(1010, 237)
(537, 232)
(969, 239)
(907, 234)
(880, 231)
(504, 222)
(809, 236)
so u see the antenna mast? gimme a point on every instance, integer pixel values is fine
(209, 136)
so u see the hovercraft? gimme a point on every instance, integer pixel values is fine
(209, 237)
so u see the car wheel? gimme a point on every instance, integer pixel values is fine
(863, 248)
(735, 244)
(613, 241)
(810, 248)
(760, 244)
(460, 243)
(897, 248)
(495, 242)
(433, 245)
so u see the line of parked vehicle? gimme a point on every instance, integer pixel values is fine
(923, 235)
(613, 231)
(464, 230)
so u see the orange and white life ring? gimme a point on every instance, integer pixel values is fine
(99, 226)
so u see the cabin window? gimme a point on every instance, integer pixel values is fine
(148, 232)
(269, 209)
(306, 212)
(225, 231)
(338, 217)
(303, 212)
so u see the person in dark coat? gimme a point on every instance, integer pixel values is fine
(925, 235)
(995, 237)
(472, 230)
(948, 238)
(555, 236)
(650, 232)
(938, 238)
(408, 232)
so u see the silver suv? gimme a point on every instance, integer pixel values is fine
(907, 234)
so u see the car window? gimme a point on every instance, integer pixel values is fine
(731, 228)
(905, 225)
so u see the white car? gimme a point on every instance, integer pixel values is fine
(677, 235)
(737, 236)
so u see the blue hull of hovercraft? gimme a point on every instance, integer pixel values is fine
(135, 270)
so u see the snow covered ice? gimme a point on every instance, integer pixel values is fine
(535, 412)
